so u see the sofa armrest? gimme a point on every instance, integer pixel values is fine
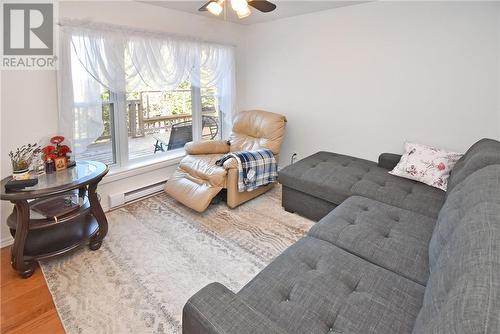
(217, 310)
(388, 160)
(207, 147)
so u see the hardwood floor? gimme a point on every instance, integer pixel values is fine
(26, 304)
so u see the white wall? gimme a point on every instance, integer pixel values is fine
(29, 98)
(360, 80)
(28, 113)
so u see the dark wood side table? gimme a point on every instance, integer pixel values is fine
(37, 237)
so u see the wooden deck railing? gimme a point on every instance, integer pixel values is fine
(138, 124)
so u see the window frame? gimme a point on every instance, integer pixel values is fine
(119, 129)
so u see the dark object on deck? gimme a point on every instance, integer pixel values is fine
(182, 133)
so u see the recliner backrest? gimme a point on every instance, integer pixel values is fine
(256, 129)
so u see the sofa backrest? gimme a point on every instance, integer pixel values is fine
(467, 199)
(256, 129)
(483, 153)
(462, 294)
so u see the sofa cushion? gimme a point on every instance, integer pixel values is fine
(463, 203)
(463, 291)
(466, 201)
(427, 164)
(326, 175)
(379, 185)
(390, 237)
(316, 287)
(334, 177)
(483, 153)
(203, 167)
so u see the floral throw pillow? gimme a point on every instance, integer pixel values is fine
(426, 164)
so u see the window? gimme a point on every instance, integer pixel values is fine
(128, 97)
(157, 123)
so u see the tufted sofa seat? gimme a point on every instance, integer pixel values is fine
(332, 291)
(392, 238)
(324, 180)
(373, 267)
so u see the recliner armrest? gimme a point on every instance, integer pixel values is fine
(388, 160)
(207, 147)
(217, 310)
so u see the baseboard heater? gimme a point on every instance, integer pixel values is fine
(116, 200)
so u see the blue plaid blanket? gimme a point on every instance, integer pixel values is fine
(255, 168)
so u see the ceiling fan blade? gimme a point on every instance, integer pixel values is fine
(262, 5)
(204, 7)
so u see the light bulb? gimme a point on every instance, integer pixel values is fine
(239, 5)
(243, 13)
(215, 8)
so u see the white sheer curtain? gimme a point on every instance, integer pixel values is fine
(217, 70)
(80, 105)
(121, 59)
(159, 64)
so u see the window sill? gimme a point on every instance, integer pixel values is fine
(143, 166)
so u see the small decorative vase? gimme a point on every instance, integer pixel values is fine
(50, 166)
(21, 174)
(39, 166)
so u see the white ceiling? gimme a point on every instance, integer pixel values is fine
(284, 9)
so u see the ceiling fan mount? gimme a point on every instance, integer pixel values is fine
(241, 7)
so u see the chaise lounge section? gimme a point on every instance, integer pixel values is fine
(371, 266)
(314, 186)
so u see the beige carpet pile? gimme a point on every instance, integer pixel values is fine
(158, 253)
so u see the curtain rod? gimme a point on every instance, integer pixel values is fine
(110, 27)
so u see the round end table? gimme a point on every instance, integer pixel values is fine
(37, 237)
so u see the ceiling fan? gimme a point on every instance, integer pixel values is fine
(241, 7)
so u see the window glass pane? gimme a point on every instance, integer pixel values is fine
(210, 114)
(209, 104)
(158, 121)
(102, 149)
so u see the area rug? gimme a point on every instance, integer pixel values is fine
(158, 253)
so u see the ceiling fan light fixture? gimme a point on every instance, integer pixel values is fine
(243, 13)
(239, 5)
(215, 7)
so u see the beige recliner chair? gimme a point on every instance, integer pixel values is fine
(198, 179)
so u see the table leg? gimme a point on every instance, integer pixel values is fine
(82, 191)
(24, 268)
(98, 213)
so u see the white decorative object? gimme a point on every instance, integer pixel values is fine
(426, 164)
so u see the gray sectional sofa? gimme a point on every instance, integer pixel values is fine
(393, 256)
